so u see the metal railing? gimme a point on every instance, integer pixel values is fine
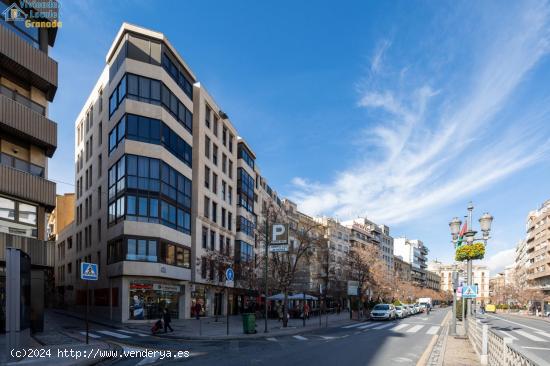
(13, 95)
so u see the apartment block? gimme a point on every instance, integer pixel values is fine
(537, 248)
(28, 139)
(415, 253)
(62, 215)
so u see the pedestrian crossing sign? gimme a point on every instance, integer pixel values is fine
(88, 271)
(469, 291)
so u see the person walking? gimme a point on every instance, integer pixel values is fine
(167, 320)
(197, 309)
(306, 310)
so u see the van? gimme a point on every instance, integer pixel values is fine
(490, 308)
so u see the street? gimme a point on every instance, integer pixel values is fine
(530, 334)
(352, 343)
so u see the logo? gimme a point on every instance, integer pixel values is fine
(13, 13)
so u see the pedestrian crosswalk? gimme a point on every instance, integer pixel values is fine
(522, 335)
(395, 327)
(115, 333)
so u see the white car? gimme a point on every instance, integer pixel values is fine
(384, 312)
(400, 311)
(410, 309)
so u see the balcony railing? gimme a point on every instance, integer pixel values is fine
(22, 165)
(12, 94)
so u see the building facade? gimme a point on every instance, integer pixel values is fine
(415, 253)
(28, 139)
(62, 215)
(537, 253)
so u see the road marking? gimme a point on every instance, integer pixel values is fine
(272, 339)
(416, 328)
(130, 332)
(367, 326)
(400, 326)
(541, 348)
(433, 330)
(530, 336)
(508, 335)
(544, 334)
(423, 318)
(299, 337)
(328, 337)
(92, 335)
(384, 326)
(113, 334)
(516, 323)
(353, 325)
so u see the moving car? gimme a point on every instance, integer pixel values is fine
(383, 311)
(490, 308)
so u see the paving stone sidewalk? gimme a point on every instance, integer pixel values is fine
(458, 351)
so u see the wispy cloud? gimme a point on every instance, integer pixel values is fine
(436, 144)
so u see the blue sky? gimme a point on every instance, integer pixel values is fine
(402, 111)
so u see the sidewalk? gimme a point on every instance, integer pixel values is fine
(54, 346)
(458, 351)
(209, 329)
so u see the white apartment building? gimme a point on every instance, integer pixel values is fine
(165, 189)
(415, 253)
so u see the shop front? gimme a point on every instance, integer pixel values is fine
(149, 298)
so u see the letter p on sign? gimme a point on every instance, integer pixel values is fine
(279, 234)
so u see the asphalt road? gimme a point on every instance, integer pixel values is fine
(400, 342)
(530, 334)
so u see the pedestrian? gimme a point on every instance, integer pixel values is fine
(482, 308)
(306, 310)
(338, 308)
(167, 319)
(198, 309)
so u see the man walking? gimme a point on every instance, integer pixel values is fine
(167, 319)
(198, 309)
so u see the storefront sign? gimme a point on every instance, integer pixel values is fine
(168, 288)
(141, 286)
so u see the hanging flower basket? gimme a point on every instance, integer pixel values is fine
(470, 251)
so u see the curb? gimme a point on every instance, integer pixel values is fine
(426, 356)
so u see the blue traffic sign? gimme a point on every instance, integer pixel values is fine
(229, 274)
(88, 271)
(469, 291)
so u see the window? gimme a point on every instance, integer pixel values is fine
(179, 77)
(206, 177)
(230, 142)
(215, 154)
(204, 237)
(215, 183)
(245, 226)
(29, 35)
(212, 240)
(227, 246)
(152, 131)
(230, 195)
(150, 91)
(207, 147)
(216, 121)
(207, 116)
(229, 221)
(224, 163)
(214, 212)
(223, 216)
(99, 193)
(245, 251)
(245, 190)
(100, 132)
(230, 169)
(206, 207)
(224, 189)
(222, 243)
(18, 218)
(99, 165)
(246, 155)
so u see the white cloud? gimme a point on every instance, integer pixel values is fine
(376, 63)
(438, 146)
(498, 261)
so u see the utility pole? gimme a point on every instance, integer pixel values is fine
(265, 271)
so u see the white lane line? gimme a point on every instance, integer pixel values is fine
(113, 334)
(92, 335)
(416, 328)
(516, 323)
(507, 334)
(130, 332)
(384, 326)
(367, 326)
(299, 337)
(328, 337)
(541, 348)
(433, 330)
(400, 326)
(353, 325)
(530, 336)
(272, 339)
(544, 334)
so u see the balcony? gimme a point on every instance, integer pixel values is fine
(42, 252)
(21, 165)
(27, 62)
(27, 186)
(28, 124)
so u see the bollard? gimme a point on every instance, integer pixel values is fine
(484, 344)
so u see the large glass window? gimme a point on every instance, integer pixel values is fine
(245, 226)
(148, 250)
(177, 75)
(245, 190)
(7, 209)
(245, 251)
(149, 186)
(244, 154)
(150, 130)
(151, 91)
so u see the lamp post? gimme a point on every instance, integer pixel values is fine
(469, 234)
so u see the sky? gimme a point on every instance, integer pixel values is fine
(399, 111)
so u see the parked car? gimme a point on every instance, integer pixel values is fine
(410, 309)
(384, 312)
(490, 308)
(416, 308)
(400, 311)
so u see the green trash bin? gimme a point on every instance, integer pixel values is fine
(249, 323)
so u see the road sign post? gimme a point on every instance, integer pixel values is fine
(229, 277)
(88, 272)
